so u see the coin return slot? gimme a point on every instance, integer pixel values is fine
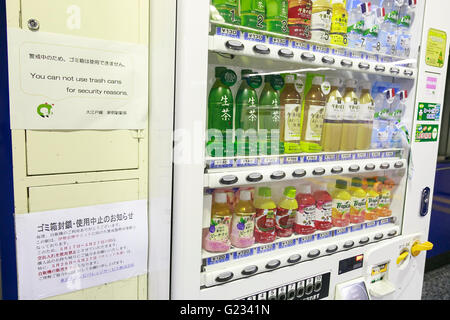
(281, 295)
(328, 60)
(226, 276)
(299, 173)
(294, 258)
(332, 249)
(259, 48)
(318, 171)
(291, 295)
(249, 270)
(348, 244)
(254, 177)
(317, 286)
(308, 57)
(285, 53)
(273, 264)
(314, 253)
(228, 180)
(337, 170)
(234, 45)
(278, 175)
(309, 288)
(300, 290)
(354, 168)
(364, 240)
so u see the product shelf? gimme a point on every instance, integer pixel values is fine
(242, 41)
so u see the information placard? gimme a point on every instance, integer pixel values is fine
(66, 82)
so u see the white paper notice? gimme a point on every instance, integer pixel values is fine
(66, 82)
(61, 251)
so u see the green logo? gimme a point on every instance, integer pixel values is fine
(45, 110)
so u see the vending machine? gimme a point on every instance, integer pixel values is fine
(305, 142)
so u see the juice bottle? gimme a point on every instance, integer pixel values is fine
(384, 202)
(299, 18)
(286, 213)
(340, 210)
(265, 220)
(246, 120)
(269, 115)
(372, 200)
(291, 111)
(243, 223)
(350, 122)
(358, 205)
(253, 13)
(277, 16)
(216, 238)
(322, 220)
(339, 19)
(304, 223)
(321, 21)
(220, 114)
(366, 117)
(228, 9)
(332, 119)
(314, 110)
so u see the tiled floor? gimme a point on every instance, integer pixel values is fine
(436, 284)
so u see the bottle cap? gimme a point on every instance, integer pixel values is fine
(265, 192)
(357, 182)
(338, 1)
(304, 189)
(317, 81)
(367, 85)
(350, 83)
(268, 77)
(245, 195)
(290, 192)
(220, 197)
(320, 187)
(289, 78)
(335, 82)
(219, 71)
(341, 184)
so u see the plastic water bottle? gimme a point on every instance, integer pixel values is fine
(398, 108)
(372, 22)
(405, 20)
(388, 29)
(381, 123)
(355, 27)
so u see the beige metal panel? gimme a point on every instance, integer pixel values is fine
(80, 151)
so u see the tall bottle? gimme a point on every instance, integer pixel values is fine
(324, 203)
(381, 125)
(291, 111)
(277, 16)
(339, 19)
(384, 202)
(243, 223)
(299, 18)
(358, 204)
(265, 220)
(269, 116)
(313, 113)
(366, 116)
(350, 121)
(333, 117)
(253, 13)
(355, 29)
(406, 16)
(220, 114)
(321, 21)
(304, 223)
(388, 29)
(341, 204)
(398, 108)
(228, 9)
(372, 199)
(286, 213)
(217, 238)
(246, 120)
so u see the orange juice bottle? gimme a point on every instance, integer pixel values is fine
(340, 210)
(385, 197)
(372, 200)
(358, 206)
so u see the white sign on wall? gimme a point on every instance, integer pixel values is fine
(66, 250)
(67, 82)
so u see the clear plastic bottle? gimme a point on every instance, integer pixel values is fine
(372, 199)
(380, 132)
(366, 116)
(321, 21)
(286, 213)
(304, 223)
(299, 18)
(217, 237)
(351, 112)
(291, 110)
(358, 205)
(340, 211)
(355, 27)
(406, 17)
(339, 20)
(243, 222)
(313, 112)
(324, 201)
(265, 220)
(388, 30)
(333, 117)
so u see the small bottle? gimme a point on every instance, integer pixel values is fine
(384, 202)
(339, 19)
(304, 223)
(340, 211)
(365, 117)
(243, 223)
(217, 239)
(291, 111)
(321, 21)
(332, 119)
(313, 113)
(265, 220)
(358, 205)
(299, 18)
(287, 213)
(351, 113)
(372, 200)
(324, 202)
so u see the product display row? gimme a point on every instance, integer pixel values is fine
(291, 114)
(378, 25)
(242, 217)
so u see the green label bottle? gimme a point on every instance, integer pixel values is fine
(228, 9)
(253, 13)
(277, 16)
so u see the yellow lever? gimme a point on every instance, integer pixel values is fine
(402, 257)
(418, 247)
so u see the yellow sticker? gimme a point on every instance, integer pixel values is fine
(436, 44)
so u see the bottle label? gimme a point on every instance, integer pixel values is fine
(372, 203)
(384, 200)
(265, 220)
(306, 216)
(372, 31)
(392, 16)
(340, 208)
(315, 122)
(300, 14)
(323, 212)
(405, 21)
(292, 116)
(351, 110)
(335, 110)
(358, 204)
(243, 225)
(367, 111)
(358, 27)
(320, 26)
(286, 218)
(219, 228)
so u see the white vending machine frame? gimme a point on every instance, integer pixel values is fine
(385, 244)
